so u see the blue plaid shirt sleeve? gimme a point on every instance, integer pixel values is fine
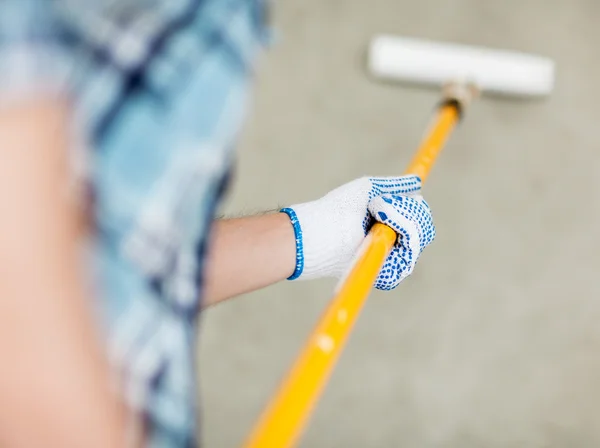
(160, 89)
(30, 57)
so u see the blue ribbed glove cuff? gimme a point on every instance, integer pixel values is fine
(299, 249)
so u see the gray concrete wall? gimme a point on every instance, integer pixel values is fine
(495, 340)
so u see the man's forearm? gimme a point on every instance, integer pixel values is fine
(248, 254)
(54, 386)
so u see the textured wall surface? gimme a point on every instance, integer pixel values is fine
(495, 340)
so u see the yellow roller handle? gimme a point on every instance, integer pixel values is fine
(285, 417)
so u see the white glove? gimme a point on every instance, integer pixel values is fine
(330, 230)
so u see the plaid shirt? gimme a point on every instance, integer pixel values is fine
(159, 88)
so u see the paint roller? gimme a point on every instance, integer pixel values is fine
(493, 71)
(463, 72)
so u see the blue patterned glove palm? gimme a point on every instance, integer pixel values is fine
(330, 230)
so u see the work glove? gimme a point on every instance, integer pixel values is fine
(330, 230)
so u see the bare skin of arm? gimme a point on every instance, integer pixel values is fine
(55, 384)
(248, 254)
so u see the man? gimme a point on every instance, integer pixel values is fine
(117, 123)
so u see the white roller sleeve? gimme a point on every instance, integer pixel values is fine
(494, 71)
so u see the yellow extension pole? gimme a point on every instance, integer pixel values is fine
(284, 419)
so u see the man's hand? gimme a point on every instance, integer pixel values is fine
(330, 230)
(254, 252)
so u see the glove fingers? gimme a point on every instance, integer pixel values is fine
(410, 217)
(393, 272)
(401, 261)
(396, 185)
